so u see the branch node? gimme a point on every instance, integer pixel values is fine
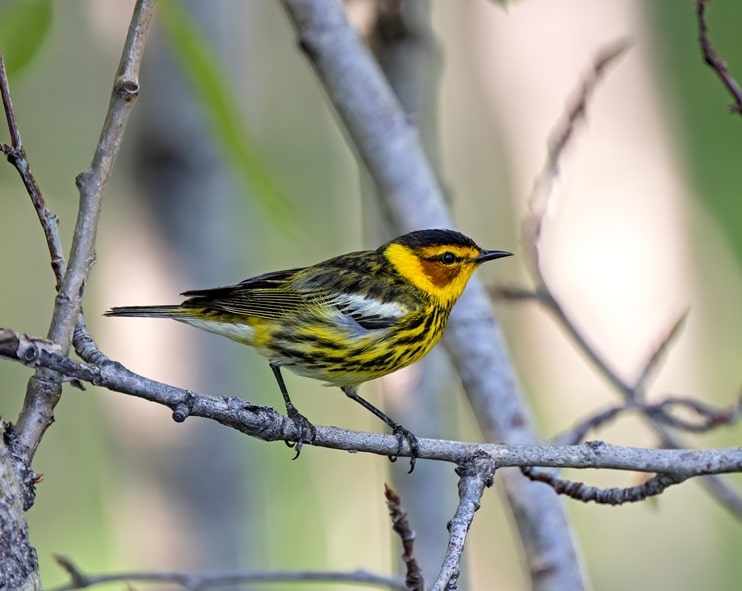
(16, 453)
(183, 409)
(29, 354)
(127, 89)
(481, 465)
(81, 179)
(595, 445)
(78, 579)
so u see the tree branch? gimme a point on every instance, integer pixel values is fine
(81, 580)
(543, 201)
(658, 354)
(474, 476)
(16, 155)
(714, 61)
(401, 525)
(710, 417)
(604, 496)
(44, 389)
(265, 423)
(19, 564)
(390, 148)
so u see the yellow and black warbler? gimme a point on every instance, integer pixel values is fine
(346, 320)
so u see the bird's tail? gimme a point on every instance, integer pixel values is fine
(151, 311)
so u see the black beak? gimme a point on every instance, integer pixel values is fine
(491, 255)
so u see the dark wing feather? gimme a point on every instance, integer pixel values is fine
(346, 286)
(270, 295)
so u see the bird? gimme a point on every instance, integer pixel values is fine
(346, 320)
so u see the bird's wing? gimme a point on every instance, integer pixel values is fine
(279, 294)
(266, 296)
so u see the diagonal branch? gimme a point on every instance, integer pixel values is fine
(658, 354)
(16, 155)
(389, 146)
(401, 525)
(93, 182)
(714, 61)
(474, 477)
(544, 197)
(542, 201)
(44, 388)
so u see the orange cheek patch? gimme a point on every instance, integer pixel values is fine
(439, 275)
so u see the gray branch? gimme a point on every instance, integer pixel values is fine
(19, 564)
(543, 200)
(267, 424)
(474, 476)
(193, 581)
(44, 388)
(389, 146)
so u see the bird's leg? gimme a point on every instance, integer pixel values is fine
(399, 431)
(307, 431)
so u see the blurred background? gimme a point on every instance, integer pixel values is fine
(649, 225)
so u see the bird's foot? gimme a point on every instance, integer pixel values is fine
(403, 435)
(307, 431)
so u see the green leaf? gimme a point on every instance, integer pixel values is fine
(199, 63)
(24, 25)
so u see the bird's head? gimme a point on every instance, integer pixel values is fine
(440, 262)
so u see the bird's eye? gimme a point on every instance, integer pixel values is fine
(448, 258)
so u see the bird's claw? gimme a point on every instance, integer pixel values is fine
(307, 432)
(403, 435)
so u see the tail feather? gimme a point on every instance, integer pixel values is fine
(150, 311)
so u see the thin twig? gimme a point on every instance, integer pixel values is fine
(474, 477)
(16, 155)
(604, 496)
(714, 61)
(711, 417)
(401, 525)
(200, 581)
(584, 344)
(579, 432)
(514, 293)
(93, 182)
(658, 354)
(543, 200)
(44, 388)
(544, 196)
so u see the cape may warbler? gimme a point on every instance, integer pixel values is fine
(346, 320)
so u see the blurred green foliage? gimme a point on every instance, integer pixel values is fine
(699, 102)
(201, 66)
(24, 24)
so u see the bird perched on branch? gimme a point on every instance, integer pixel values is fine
(346, 320)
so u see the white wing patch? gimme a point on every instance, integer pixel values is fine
(370, 313)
